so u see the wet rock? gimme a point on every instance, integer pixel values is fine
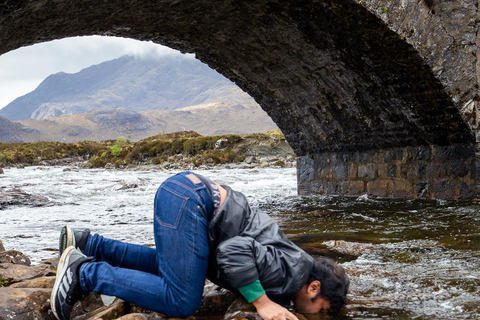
(1, 171)
(13, 273)
(74, 169)
(87, 306)
(25, 304)
(126, 186)
(345, 248)
(241, 309)
(17, 197)
(2, 248)
(114, 311)
(250, 160)
(13, 256)
(43, 282)
(215, 300)
(109, 166)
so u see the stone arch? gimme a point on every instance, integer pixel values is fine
(330, 73)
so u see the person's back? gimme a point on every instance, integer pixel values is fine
(247, 245)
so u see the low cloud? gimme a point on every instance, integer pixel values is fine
(25, 68)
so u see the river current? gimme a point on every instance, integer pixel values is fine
(405, 259)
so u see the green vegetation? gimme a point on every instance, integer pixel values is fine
(155, 150)
(33, 153)
(3, 282)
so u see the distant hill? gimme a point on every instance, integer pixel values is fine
(210, 119)
(135, 84)
(13, 132)
(133, 97)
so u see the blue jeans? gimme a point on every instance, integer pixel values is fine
(170, 278)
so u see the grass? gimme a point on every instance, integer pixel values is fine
(4, 282)
(157, 149)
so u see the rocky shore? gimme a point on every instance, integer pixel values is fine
(181, 150)
(25, 295)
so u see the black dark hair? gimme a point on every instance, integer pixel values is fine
(334, 282)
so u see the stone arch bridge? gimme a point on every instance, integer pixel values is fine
(375, 96)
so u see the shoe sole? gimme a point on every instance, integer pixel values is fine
(61, 267)
(65, 235)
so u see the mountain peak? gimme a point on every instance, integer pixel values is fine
(132, 83)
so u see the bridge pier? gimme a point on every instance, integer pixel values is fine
(422, 172)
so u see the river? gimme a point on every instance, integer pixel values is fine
(405, 259)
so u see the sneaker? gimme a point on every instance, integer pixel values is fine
(67, 289)
(73, 237)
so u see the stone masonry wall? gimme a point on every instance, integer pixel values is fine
(426, 172)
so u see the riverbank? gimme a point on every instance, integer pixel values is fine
(177, 151)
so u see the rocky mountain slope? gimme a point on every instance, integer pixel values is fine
(136, 84)
(133, 97)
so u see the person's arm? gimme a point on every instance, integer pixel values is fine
(236, 257)
(269, 310)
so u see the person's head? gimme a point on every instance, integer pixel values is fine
(326, 288)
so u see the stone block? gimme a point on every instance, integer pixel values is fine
(343, 187)
(404, 168)
(398, 154)
(463, 151)
(336, 158)
(305, 169)
(317, 187)
(382, 170)
(421, 171)
(378, 188)
(353, 170)
(340, 171)
(410, 154)
(459, 168)
(362, 156)
(436, 169)
(475, 169)
(347, 157)
(444, 189)
(392, 171)
(466, 191)
(388, 156)
(333, 187)
(327, 173)
(366, 171)
(445, 153)
(423, 153)
(356, 188)
(401, 189)
(321, 162)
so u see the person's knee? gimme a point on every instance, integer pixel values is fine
(187, 306)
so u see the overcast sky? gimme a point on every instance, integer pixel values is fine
(22, 70)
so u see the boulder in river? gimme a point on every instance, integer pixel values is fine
(18, 197)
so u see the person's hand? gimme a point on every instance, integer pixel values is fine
(269, 310)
